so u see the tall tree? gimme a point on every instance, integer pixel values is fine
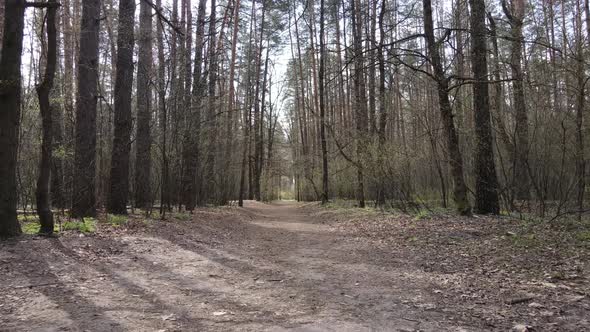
(256, 114)
(68, 88)
(163, 118)
(1, 22)
(227, 180)
(446, 113)
(212, 105)
(581, 169)
(520, 183)
(325, 179)
(10, 109)
(119, 183)
(486, 182)
(143, 160)
(360, 97)
(43, 91)
(84, 199)
(191, 148)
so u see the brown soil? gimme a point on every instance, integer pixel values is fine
(289, 266)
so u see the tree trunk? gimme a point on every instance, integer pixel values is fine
(257, 125)
(228, 179)
(2, 3)
(520, 184)
(10, 105)
(84, 199)
(260, 142)
(486, 183)
(246, 120)
(211, 103)
(325, 192)
(452, 140)
(360, 98)
(119, 184)
(163, 117)
(42, 193)
(143, 160)
(192, 139)
(580, 119)
(380, 201)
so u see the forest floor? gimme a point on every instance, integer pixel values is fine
(301, 267)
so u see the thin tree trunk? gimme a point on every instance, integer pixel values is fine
(211, 104)
(2, 3)
(325, 192)
(163, 117)
(380, 201)
(360, 98)
(580, 119)
(260, 142)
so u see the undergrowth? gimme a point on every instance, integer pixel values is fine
(87, 225)
(116, 220)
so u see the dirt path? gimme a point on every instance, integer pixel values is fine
(264, 267)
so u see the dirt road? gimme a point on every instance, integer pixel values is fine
(261, 268)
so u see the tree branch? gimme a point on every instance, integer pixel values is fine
(163, 18)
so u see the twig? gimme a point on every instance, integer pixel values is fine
(520, 300)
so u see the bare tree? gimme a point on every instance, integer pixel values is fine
(446, 113)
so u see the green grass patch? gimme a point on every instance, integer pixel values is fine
(117, 220)
(583, 236)
(422, 214)
(182, 216)
(347, 205)
(28, 218)
(86, 225)
(31, 225)
(31, 228)
(525, 241)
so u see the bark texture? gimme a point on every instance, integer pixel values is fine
(143, 160)
(446, 114)
(42, 193)
(486, 182)
(10, 105)
(119, 184)
(84, 199)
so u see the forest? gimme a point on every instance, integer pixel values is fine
(117, 116)
(469, 106)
